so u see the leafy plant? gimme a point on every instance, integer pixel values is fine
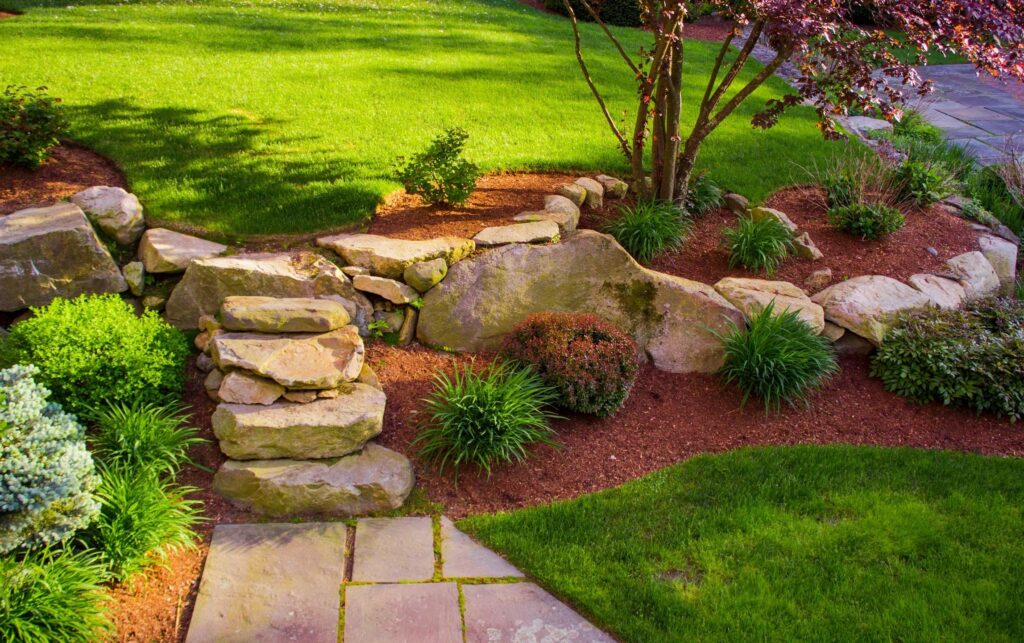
(378, 327)
(953, 159)
(973, 357)
(142, 436)
(439, 174)
(52, 596)
(976, 212)
(778, 358)
(758, 244)
(703, 195)
(914, 126)
(485, 418)
(922, 183)
(94, 349)
(591, 363)
(867, 220)
(31, 124)
(648, 228)
(988, 187)
(46, 473)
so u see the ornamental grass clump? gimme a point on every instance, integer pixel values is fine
(485, 418)
(758, 244)
(142, 436)
(649, 228)
(703, 195)
(778, 358)
(591, 363)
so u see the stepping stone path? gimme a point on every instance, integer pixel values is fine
(411, 579)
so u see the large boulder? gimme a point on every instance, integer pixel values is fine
(208, 282)
(375, 479)
(387, 257)
(867, 305)
(482, 298)
(753, 295)
(296, 361)
(167, 251)
(282, 315)
(52, 252)
(1002, 254)
(944, 292)
(115, 211)
(975, 273)
(322, 428)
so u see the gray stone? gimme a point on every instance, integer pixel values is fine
(394, 291)
(304, 397)
(613, 188)
(166, 251)
(465, 558)
(213, 380)
(154, 302)
(205, 363)
(559, 203)
(52, 252)
(975, 273)
(1002, 254)
(863, 125)
(372, 480)
(867, 305)
(271, 582)
(392, 550)
(737, 203)
(407, 333)
(529, 232)
(388, 257)
(114, 211)
(595, 192)
(282, 314)
(523, 612)
(753, 295)
(575, 193)
(566, 221)
(805, 247)
(408, 613)
(944, 292)
(241, 387)
(135, 277)
(853, 344)
(424, 275)
(393, 319)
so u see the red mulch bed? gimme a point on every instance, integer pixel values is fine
(708, 28)
(69, 170)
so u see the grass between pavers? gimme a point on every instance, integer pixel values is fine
(265, 117)
(792, 543)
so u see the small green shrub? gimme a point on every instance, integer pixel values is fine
(46, 473)
(439, 174)
(977, 212)
(867, 220)
(922, 183)
(778, 358)
(93, 350)
(485, 418)
(31, 124)
(50, 596)
(973, 357)
(758, 244)
(703, 195)
(591, 363)
(648, 228)
(916, 127)
(142, 436)
(142, 519)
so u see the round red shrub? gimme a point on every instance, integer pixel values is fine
(590, 362)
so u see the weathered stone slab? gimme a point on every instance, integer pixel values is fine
(867, 305)
(595, 192)
(833, 332)
(424, 275)
(566, 221)
(115, 211)
(575, 193)
(282, 314)
(242, 387)
(753, 295)
(374, 479)
(321, 428)
(465, 558)
(166, 251)
(388, 257)
(559, 203)
(944, 292)
(271, 583)
(529, 232)
(297, 360)
(390, 550)
(420, 613)
(394, 291)
(135, 276)
(523, 612)
(613, 188)
(1002, 254)
(771, 213)
(975, 273)
(52, 252)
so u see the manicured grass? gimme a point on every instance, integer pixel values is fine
(798, 543)
(275, 117)
(908, 54)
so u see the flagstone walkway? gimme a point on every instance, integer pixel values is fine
(385, 580)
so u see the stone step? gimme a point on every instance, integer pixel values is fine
(323, 428)
(375, 479)
(295, 361)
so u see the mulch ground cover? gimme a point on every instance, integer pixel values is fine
(69, 170)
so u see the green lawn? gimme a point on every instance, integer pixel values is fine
(909, 54)
(275, 117)
(799, 543)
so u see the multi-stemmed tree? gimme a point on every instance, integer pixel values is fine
(841, 65)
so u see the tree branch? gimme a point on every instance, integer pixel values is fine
(748, 89)
(607, 32)
(734, 70)
(718, 63)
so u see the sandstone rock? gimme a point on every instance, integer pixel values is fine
(805, 248)
(863, 125)
(771, 213)
(369, 377)
(424, 275)
(375, 479)
(213, 380)
(1002, 254)
(202, 341)
(304, 397)
(166, 251)
(482, 298)
(566, 221)
(819, 279)
(114, 211)
(575, 193)
(868, 304)
(208, 323)
(558, 203)
(530, 232)
(297, 361)
(208, 282)
(832, 332)
(393, 319)
(394, 291)
(975, 273)
(752, 296)
(388, 257)
(595, 192)
(282, 314)
(737, 203)
(613, 188)
(135, 277)
(242, 387)
(52, 252)
(944, 292)
(205, 363)
(407, 333)
(352, 271)
(154, 302)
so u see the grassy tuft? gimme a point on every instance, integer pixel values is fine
(648, 229)
(758, 244)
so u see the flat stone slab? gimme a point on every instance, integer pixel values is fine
(465, 558)
(566, 221)
(516, 612)
(420, 613)
(282, 314)
(271, 582)
(529, 232)
(387, 257)
(390, 550)
(242, 387)
(867, 305)
(295, 361)
(393, 290)
(166, 251)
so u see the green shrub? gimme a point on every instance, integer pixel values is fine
(93, 350)
(953, 159)
(990, 190)
(914, 126)
(439, 174)
(703, 195)
(778, 358)
(648, 228)
(972, 357)
(49, 596)
(850, 178)
(977, 212)
(46, 473)
(625, 13)
(31, 124)
(867, 220)
(922, 183)
(758, 244)
(485, 418)
(142, 519)
(591, 363)
(142, 436)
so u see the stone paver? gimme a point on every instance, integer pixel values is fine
(420, 613)
(389, 550)
(514, 612)
(465, 558)
(271, 582)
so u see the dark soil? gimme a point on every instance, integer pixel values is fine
(70, 169)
